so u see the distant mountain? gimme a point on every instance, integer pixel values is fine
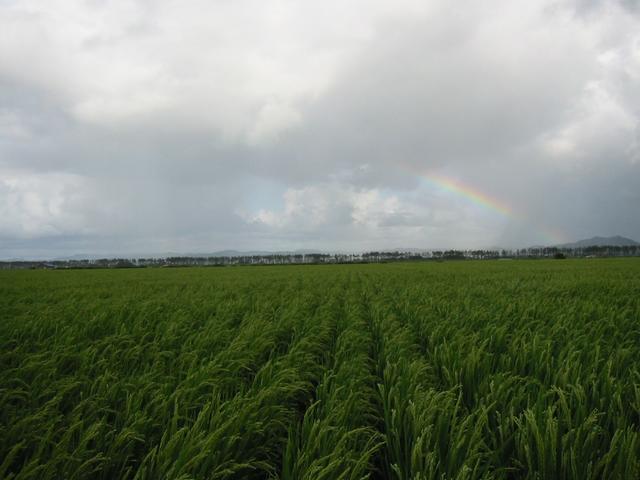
(220, 253)
(616, 241)
(238, 253)
(406, 250)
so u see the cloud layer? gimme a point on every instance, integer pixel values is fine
(133, 127)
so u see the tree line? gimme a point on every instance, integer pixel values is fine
(332, 258)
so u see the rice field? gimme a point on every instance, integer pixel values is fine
(454, 370)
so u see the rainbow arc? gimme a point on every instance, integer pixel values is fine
(484, 200)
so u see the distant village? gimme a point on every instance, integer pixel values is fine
(335, 258)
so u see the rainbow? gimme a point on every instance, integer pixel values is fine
(477, 197)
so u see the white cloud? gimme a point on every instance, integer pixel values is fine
(11, 127)
(148, 122)
(272, 120)
(217, 65)
(342, 216)
(33, 205)
(599, 122)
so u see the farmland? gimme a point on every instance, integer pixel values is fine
(518, 369)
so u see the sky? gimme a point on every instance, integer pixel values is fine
(144, 127)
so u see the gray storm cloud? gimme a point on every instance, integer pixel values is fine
(133, 127)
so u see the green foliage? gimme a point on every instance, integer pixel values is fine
(501, 370)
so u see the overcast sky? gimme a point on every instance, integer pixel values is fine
(155, 126)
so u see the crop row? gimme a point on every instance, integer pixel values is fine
(401, 371)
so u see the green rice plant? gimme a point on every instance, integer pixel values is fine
(504, 370)
(336, 438)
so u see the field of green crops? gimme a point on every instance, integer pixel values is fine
(456, 370)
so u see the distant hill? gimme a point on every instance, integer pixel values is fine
(220, 253)
(616, 241)
(239, 253)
